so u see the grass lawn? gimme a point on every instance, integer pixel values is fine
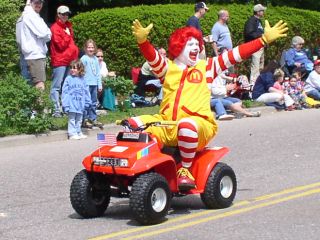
(111, 117)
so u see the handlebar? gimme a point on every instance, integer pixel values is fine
(126, 124)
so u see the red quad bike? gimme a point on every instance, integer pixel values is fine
(139, 168)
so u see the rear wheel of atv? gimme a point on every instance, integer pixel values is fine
(150, 198)
(221, 187)
(89, 194)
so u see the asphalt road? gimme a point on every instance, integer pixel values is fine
(275, 158)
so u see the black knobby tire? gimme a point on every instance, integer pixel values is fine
(221, 187)
(89, 195)
(150, 198)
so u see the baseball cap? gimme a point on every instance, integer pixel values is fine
(63, 9)
(200, 5)
(316, 62)
(258, 8)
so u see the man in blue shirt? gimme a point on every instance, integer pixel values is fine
(221, 37)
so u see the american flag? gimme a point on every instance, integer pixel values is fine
(107, 139)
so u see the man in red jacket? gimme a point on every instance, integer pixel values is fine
(63, 51)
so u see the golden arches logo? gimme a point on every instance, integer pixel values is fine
(195, 76)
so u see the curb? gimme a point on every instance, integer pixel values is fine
(53, 136)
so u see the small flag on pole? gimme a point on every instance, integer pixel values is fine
(107, 139)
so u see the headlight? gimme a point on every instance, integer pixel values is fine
(116, 162)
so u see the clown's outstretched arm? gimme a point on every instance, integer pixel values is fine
(244, 51)
(156, 61)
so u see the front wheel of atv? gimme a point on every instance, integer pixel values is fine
(150, 198)
(89, 194)
(221, 187)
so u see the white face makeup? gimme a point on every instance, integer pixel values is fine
(190, 53)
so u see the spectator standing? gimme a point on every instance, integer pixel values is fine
(200, 9)
(22, 62)
(220, 33)
(253, 29)
(103, 66)
(106, 98)
(312, 87)
(93, 80)
(34, 35)
(63, 51)
(75, 96)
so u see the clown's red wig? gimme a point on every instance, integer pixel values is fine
(179, 38)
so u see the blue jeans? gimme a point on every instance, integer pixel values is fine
(74, 123)
(58, 75)
(24, 69)
(90, 112)
(216, 103)
(315, 94)
(228, 101)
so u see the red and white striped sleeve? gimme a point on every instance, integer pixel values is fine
(218, 64)
(158, 63)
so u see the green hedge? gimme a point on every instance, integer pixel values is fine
(10, 12)
(111, 28)
(23, 109)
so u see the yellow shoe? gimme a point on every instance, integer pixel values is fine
(185, 179)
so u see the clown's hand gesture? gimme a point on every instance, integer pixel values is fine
(140, 32)
(275, 32)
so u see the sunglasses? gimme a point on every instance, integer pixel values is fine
(74, 67)
(99, 56)
(64, 14)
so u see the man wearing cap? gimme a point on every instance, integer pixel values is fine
(200, 9)
(253, 29)
(33, 36)
(63, 52)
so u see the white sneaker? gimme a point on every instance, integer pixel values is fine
(226, 117)
(82, 136)
(74, 137)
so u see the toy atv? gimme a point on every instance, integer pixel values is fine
(139, 168)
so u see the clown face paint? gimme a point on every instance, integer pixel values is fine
(190, 53)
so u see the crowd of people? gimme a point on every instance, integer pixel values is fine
(76, 76)
(290, 83)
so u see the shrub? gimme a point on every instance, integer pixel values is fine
(10, 12)
(23, 109)
(111, 28)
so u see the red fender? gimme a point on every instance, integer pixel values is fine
(203, 164)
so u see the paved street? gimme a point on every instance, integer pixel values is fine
(275, 158)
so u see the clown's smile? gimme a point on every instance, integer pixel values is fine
(190, 53)
(193, 55)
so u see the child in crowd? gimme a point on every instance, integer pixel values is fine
(103, 66)
(93, 80)
(295, 91)
(278, 84)
(75, 96)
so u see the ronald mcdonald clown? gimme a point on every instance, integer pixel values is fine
(186, 83)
